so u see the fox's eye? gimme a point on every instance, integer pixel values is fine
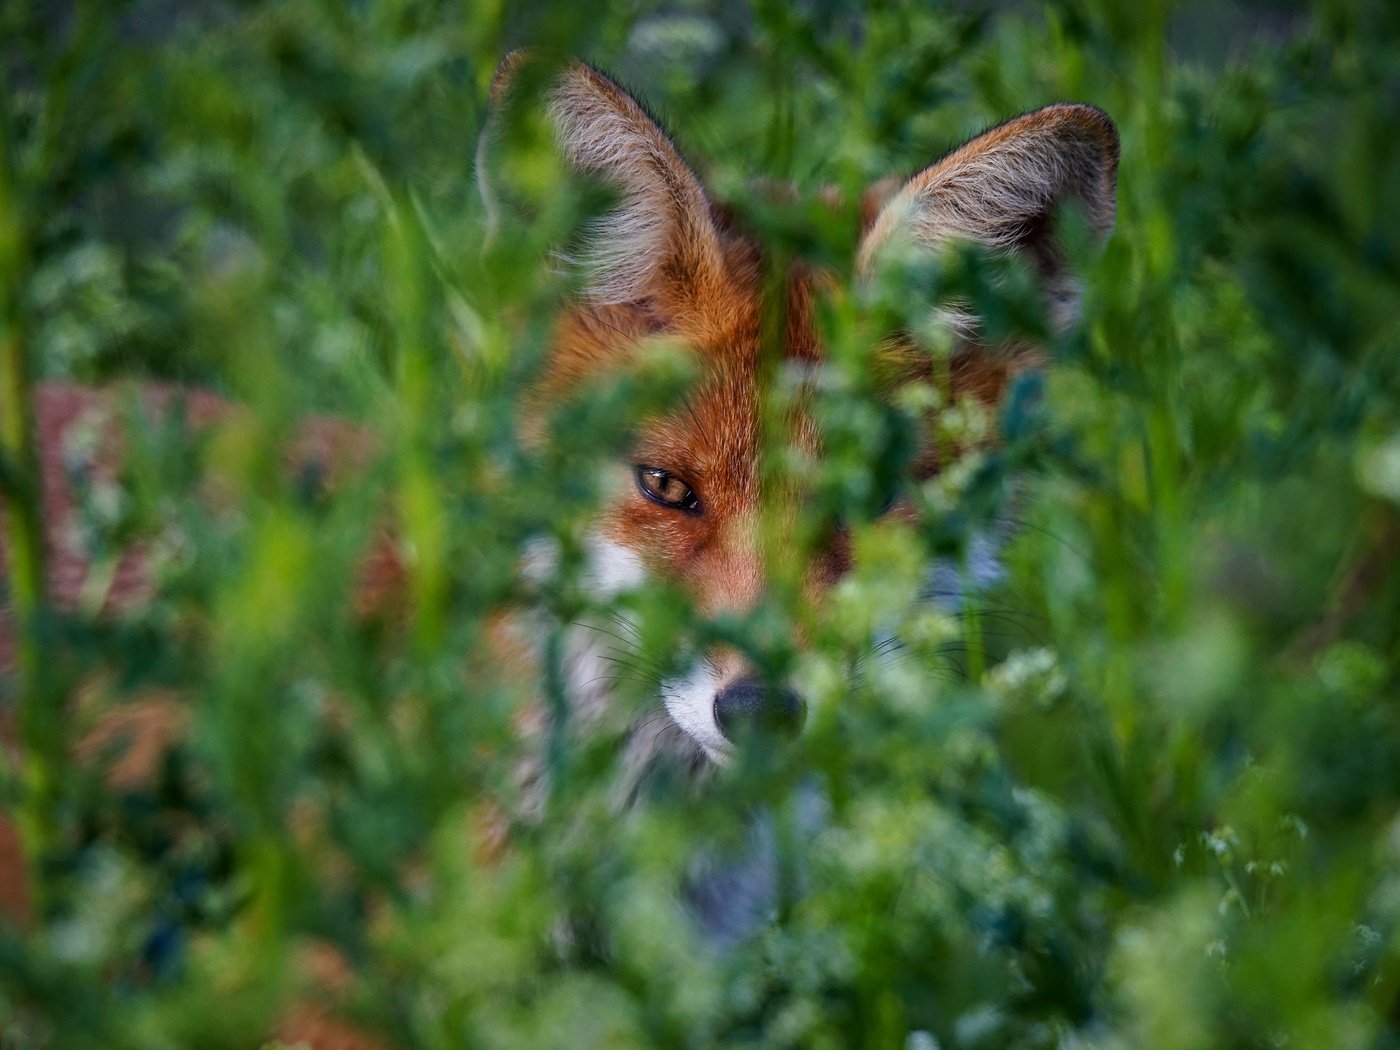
(661, 486)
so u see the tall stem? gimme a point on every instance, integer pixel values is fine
(22, 522)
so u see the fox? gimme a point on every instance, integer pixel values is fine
(668, 260)
(690, 496)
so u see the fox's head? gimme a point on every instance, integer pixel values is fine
(670, 261)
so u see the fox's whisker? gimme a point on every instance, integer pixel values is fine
(625, 623)
(1019, 523)
(600, 630)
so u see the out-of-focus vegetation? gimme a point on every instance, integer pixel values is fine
(1143, 793)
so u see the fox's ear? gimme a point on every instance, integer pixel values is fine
(1004, 189)
(661, 239)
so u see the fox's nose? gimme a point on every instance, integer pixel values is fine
(747, 706)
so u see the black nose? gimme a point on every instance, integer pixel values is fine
(748, 706)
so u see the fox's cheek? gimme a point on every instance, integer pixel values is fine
(948, 583)
(610, 568)
(613, 568)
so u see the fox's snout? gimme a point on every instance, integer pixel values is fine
(748, 706)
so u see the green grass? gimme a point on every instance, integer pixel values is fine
(1151, 801)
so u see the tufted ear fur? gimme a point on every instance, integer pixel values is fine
(661, 240)
(1003, 189)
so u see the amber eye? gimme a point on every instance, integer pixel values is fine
(661, 486)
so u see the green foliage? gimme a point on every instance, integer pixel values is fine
(1141, 793)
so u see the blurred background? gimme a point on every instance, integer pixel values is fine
(1143, 793)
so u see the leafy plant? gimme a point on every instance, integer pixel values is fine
(1138, 792)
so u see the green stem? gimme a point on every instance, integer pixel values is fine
(39, 727)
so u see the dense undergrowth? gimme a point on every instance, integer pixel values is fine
(1143, 792)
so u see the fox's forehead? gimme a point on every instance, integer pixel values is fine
(723, 320)
(739, 340)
